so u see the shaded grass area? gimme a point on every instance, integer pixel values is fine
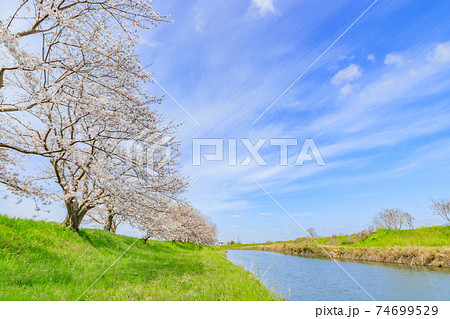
(426, 246)
(46, 261)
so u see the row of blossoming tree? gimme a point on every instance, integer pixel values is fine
(77, 125)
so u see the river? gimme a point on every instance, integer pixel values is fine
(323, 279)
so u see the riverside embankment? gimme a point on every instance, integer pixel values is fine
(47, 261)
(426, 246)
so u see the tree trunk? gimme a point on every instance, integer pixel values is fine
(74, 215)
(110, 225)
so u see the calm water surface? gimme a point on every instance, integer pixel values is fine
(321, 279)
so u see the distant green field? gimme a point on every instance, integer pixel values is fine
(426, 246)
(437, 236)
(46, 261)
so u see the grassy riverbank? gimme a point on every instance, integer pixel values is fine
(426, 246)
(46, 261)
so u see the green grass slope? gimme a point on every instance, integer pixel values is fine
(438, 236)
(46, 261)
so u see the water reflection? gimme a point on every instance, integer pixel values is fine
(323, 279)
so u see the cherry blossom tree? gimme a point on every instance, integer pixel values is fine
(73, 111)
(7, 178)
(76, 102)
(141, 197)
(104, 215)
(44, 60)
(96, 160)
(183, 223)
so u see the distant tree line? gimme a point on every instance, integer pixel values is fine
(397, 219)
(441, 207)
(393, 219)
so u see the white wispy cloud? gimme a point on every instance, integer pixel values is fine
(365, 108)
(393, 58)
(263, 7)
(235, 216)
(266, 214)
(345, 76)
(199, 20)
(150, 43)
(441, 52)
(349, 74)
(346, 89)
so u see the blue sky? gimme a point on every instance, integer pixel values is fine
(376, 105)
